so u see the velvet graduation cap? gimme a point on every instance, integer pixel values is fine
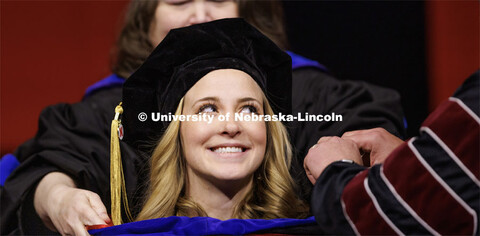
(179, 61)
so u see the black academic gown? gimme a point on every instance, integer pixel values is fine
(362, 106)
(75, 139)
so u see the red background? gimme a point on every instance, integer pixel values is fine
(453, 40)
(51, 51)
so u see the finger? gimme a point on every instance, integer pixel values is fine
(97, 205)
(84, 212)
(90, 217)
(305, 163)
(364, 131)
(362, 140)
(352, 133)
(305, 166)
(312, 179)
(79, 230)
(73, 224)
(66, 227)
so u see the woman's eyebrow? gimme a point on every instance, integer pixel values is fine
(247, 99)
(215, 99)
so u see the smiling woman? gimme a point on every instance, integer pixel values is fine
(226, 168)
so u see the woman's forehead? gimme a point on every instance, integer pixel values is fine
(225, 84)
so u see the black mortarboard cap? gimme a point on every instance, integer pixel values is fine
(185, 56)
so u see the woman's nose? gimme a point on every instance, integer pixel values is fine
(200, 13)
(230, 127)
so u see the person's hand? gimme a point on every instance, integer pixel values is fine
(66, 208)
(378, 142)
(326, 151)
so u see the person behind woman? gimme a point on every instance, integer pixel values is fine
(148, 22)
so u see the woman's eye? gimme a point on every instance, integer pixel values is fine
(248, 109)
(207, 109)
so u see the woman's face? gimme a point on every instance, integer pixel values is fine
(171, 14)
(223, 150)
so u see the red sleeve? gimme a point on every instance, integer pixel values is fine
(428, 185)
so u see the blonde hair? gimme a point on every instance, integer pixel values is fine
(273, 186)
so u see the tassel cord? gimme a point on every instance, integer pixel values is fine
(117, 179)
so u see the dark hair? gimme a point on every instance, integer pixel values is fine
(133, 44)
(266, 16)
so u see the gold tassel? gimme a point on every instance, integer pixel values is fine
(117, 180)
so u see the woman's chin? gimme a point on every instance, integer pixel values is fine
(231, 176)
